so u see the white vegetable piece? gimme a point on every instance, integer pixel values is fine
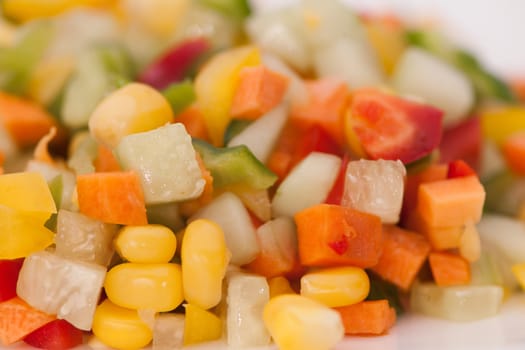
(258, 202)
(165, 161)
(456, 303)
(262, 134)
(168, 332)
(350, 60)
(422, 74)
(70, 289)
(230, 214)
(492, 162)
(82, 238)
(505, 234)
(247, 296)
(375, 187)
(307, 184)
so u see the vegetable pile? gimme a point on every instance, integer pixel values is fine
(176, 172)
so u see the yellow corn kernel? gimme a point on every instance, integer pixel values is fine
(279, 285)
(337, 286)
(134, 108)
(146, 244)
(120, 328)
(204, 257)
(200, 325)
(518, 270)
(25, 10)
(160, 17)
(156, 287)
(498, 124)
(299, 323)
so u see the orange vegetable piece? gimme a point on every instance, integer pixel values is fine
(26, 121)
(112, 197)
(193, 120)
(369, 317)
(189, 207)
(326, 105)
(18, 319)
(333, 235)
(451, 202)
(440, 238)
(514, 152)
(449, 269)
(403, 255)
(259, 91)
(105, 160)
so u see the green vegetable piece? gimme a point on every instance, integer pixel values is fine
(17, 62)
(235, 9)
(234, 166)
(486, 84)
(180, 95)
(380, 289)
(421, 163)
(56, 187)
(504, 193)
(234, 128)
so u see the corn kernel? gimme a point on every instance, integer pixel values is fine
(146, 244)
(279, 285)
(204, 261)
(120, 328)
(145, 286)
(299, 323)
(336, 287)
(26, 10)
(200, 325)
(134, 108)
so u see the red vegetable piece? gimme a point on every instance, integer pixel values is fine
(55, 335)
(390, 127)
(462, 141)
(336, 193)
(459, 168)
(9, 270)
(175, 64)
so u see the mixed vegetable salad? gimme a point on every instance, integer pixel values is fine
(176, 172)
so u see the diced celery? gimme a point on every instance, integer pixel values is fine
(234, 128)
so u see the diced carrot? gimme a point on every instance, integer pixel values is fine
(112, 197)
(460, 168)
(26, 121)
(18, 319)
(433, 172)
(260, 90)
(403, 256)
(326, 105)
(270, 264)
(189, 207)
(514, 152)
(193, 120)
(105, 160)
(440, 238)
(451, 202)
(449, 269)
(369, 317)
(333, 235)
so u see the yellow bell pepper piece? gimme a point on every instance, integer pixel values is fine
(28, 193)
(215, 87)
(26, 10)
(21, 235)
(518, 270)
(386, 36)
(120, 328)
(200, 325)
(498, 124)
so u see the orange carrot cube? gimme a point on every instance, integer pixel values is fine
(449, 269)
(369, 317)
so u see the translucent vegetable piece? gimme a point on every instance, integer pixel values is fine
(83, 238)
(375, 187)
(457, 303)
(168, 332)
(70, 289)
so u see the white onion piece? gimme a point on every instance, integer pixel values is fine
(247, 296)
(504, 234)
(456, 303)
(375, 187)
(296, 92)
(262, 134)
(168, 332)
(492, 161)
(230, 214)
(440, 84)
(351, 60)
(307, 184)
(70, 289)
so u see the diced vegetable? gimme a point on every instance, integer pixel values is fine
(513, 149)
(55, 335)
(200, 325)
(449, 269)
(146, 244)
(165, 161)
(9, 270)
(375, 187)
(367, 317)
(68, 288)
(497, 124)
(180, 96)
(332, 235)
(168, 331)
(245, 325)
